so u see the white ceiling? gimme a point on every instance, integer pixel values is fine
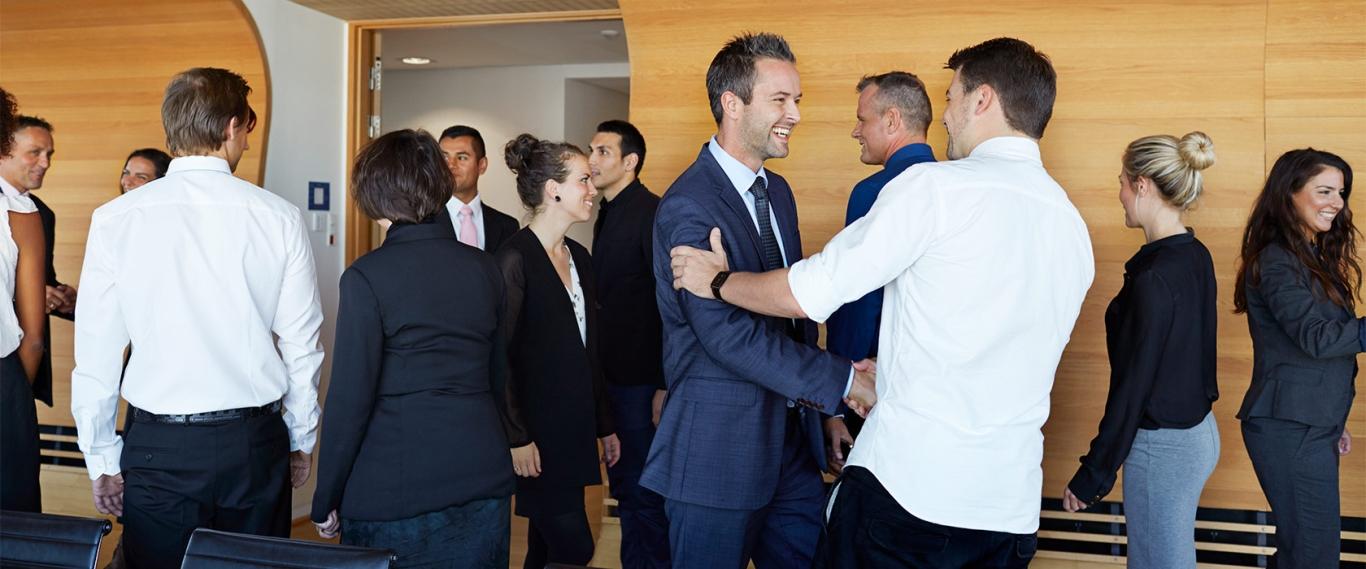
(510, 44)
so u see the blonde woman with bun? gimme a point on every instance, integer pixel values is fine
(1160, 334)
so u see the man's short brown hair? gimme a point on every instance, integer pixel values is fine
(198, 106)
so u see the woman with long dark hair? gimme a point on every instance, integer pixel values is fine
(1298, 283)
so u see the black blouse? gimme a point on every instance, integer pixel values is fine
(1160, 331)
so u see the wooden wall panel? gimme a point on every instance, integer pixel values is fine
(96, 70)
(1232, 68)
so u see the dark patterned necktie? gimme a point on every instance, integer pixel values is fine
(773, 256)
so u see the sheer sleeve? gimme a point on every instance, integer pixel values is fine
(514, 291)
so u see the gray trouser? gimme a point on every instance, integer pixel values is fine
(1163, 477)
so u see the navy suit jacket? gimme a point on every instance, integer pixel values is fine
(730, 372)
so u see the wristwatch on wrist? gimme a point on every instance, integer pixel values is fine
(716, 283)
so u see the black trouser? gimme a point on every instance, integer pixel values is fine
(1297, 466)
(232, 476)
(868, 528)
(559, 535)
(19, 490)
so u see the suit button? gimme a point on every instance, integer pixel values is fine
(149, 456)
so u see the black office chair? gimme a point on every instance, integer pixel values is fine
(212, 549)
(30, 540)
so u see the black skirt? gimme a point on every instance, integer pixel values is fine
(18, 440)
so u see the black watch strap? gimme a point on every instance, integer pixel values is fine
(716, 282)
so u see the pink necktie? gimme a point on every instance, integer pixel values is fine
(468, 235)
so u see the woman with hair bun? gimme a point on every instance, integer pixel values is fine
(1160, 334)
(557, 400)
(1298, 283)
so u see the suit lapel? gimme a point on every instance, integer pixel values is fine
(731, 198)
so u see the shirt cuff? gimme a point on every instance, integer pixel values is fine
(848, 384)
(812, 291)
(104, 461)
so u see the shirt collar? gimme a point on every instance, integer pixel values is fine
(9, 189)
(1018, 147)
(1148, 249)
(627, 194)
(740, 175)
(438, 226)
(910, 154)
(186, 163)
(476, 206)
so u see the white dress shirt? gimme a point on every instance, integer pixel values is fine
(477, 214)
(985, 262)
(742, 178)
(12, 200)
(201, 271)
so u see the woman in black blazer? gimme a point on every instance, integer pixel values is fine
(1160, 333)
(1298, 282)
(557, 401)
(413, 453)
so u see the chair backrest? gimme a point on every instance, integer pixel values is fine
(211, 549)
(47, 540)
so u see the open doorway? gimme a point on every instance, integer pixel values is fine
(555, 80)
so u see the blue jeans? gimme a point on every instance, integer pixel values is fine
(644, 527)
(1163, 476)
(473, 535)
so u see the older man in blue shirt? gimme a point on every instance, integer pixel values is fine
(893, 117)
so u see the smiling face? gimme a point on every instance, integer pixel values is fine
(766, 123)
(29, 158)
(576, 193)
(1319, 201)
(136, 172)
(871, 131)
(957, 117)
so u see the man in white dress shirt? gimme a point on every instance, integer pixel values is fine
(986, 263)
(212, 278)
(476, 223)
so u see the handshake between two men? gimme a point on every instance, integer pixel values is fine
(706, 274)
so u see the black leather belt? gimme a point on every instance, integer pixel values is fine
(209, 418)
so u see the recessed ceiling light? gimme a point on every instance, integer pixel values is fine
(610, 33)
(416, 60)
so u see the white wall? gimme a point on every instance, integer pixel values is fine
(585, 107)
(306, 58)
(501, 102)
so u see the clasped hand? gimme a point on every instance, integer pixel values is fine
(863, 391)
(694, 268)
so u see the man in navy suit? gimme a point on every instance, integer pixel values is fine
(738, 452)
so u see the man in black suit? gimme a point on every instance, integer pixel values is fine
(24, 169)
(632, 337)
(476, 224)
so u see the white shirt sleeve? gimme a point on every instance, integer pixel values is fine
(101, 337)
(298, 323)
(872, 251)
